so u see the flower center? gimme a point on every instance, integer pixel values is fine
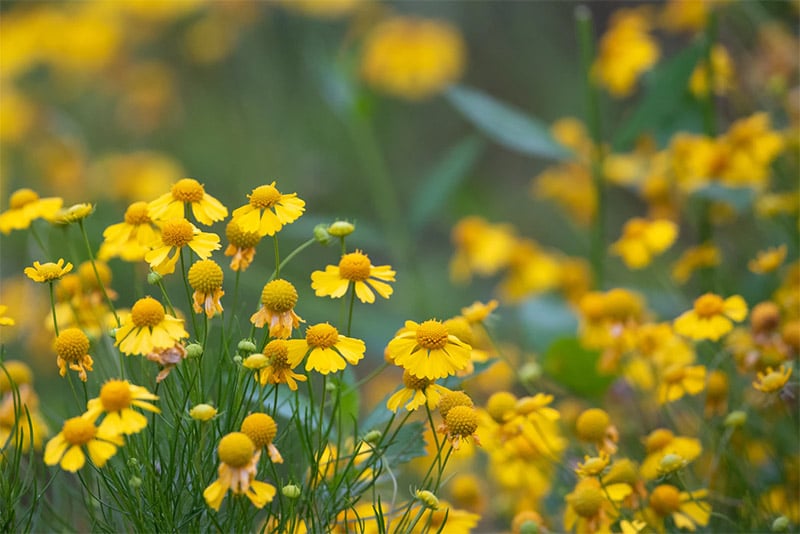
(188, 190)
(462, 421)
(355, 266)
(500, 404)
(50, 271)
(708, 305)
(279, 296)
(432, 335)
(72, 344)
(592, 424)
(658, 439)
(587, 501)
(136, 214)
(21, 198)
(451, 400)
(415, 382)
(277, 351)
(147, 312)
(205, 276)
(260, 428)
(236, 449)
(239, 238)
(177, 232)
(115, 395)
(665, 499)
(264, 196)
(322, 335)
(78, 431)
(772, 381)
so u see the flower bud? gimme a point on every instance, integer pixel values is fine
(194, 350)
(530, 373)
(670, 463)
(135, 482)
(256, 361)
(247, 345)
(291, 491)
(237, 359)
(529, 527)
(736, 419)
(341, 228)
(428, 499)
(781, 524)
(330, 387)
(154, 278)
(133, 462)
(321, 234)
(373, 436)
(202, 412)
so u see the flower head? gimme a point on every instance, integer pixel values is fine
(167, 358)
(278, 369)
(116, 400)
(205, 208)
(416, 392)
(149, 328)
(688, 510)
(176, 234)
(262, 429)
(327, 350)
(66, 448)
(642, 240)
(242, 246)
(277, 308)
(662, 442)
(237, 470)
(768, 260)
(47, 272)
(428, 350)
(711, 317)
(73, 214)
(679, 379)
(594, 426)
(461, 423)
(130, 239)
(268, 210)
(25, 206)
(353, 268)
(593, 466)
(202, 412)
(5, 320)
(205, 277)
(771, 381)
(72, 349)
(694, 258)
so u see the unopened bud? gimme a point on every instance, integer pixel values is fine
(330, 387)
(153, 278)
(373, 437)
(341, 228)
(133, 462)
(247, 345)
(321, 234)
(194, 350)
(256, 361)
(428, 499)
(530, 373)
(781, 524)
(203, 412)
(736, 419)
(670, 463)
(135, 482)
(529, 527)
(237, 359)
(291, 491)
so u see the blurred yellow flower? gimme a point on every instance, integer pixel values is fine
(47, 272)
(268, 210)
(416, 392)
(66, 448)
(592, 507)
(323, 8)
(482, 248)
(569, 185)
(642, 240)
(661, 442)
(24, 207)
(721, 69)
(5, 320)
(412, 58)
(711, 317)
(356, 268)
(768, 260)
(17, 112)
(130, 239)
(771, 380)
(117, 397)
(205, 208)
(680, 379)
(687, 510)
(175, 234)
(684, 15)
(428, 350)
(693, 258)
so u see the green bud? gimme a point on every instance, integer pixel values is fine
(330, 387)
(133, 462)
(736, 419)
(153, 278)
(247, 345)
(781, 524)
(670, 463)
(321, 234)
(530, 373)
(341, 228)
(291, 491)
(194, 350)
(373, 436)
(135, 482)
(529, 527)
(238, 360)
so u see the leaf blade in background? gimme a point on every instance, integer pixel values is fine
(451, 170)
(575, 367)
(505, 124)
(740, 198)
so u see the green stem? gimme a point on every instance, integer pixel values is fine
(97, 274)
(350, 311)
(185, 278)
(277, 257)
(291, 255)
(38, 238)
(53, 306)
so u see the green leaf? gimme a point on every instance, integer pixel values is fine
(666, 90)
(407, 444)
(575, 367)
(739, 197)
(443, 179)
(506, 125)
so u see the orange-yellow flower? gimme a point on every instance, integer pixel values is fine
(327, 350)
(353, 268)
(237, 470)
(242, 246)
(771, 380)
(767, 260)
(278, 369)
(205, 277)
(130, 239)
(642, 240)
(25, 206)
(277, 308)
(268, 210)
(72, 349)
(428, 350)
(205, 208)
(149, 328)
(47, 272)
(680, 379)
(711, 317)
(66, 448)
(115, 400)
(175, 234)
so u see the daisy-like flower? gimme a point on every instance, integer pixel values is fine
(327, 350)
(242, 246)
(205, 277)
(130, 239)
(66, 448)
(688, 511)
(662, 442)
(593, 466)
(711, 317)
(771, 381)
(277, 308)
(680, 379)
(278, 369)
(592, 507)
(767, 260)
(428, 350)
(356, 268)
(177, 233)
(47, 272)
(268, 210)
(416, 392)
(461, 423)
(262, 429)
(72, 349)
(149, 328)
(5, 320)
(25, 206)
(594, 426)
(117, 397)
(237, 470)
(167, 358)
(642, 240)
(205, 208)
(73, 214)
(694, 258)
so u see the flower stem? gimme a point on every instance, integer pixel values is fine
(53, 307)
(97, 274)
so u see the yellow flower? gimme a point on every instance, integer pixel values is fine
(722, 70)
(768, 260)
(278, 299)
(268, 210)
(412, 58)
(416, 391)
(4, 319)
(594, 426)
(626, 51)
(592, 507)
(130, 239)
(205, 208)
(242, 246)
(237, 470)
(705, 255)
(262, 429)
(202, 412)
(445, 518)
(661, 442)
(642, 240)
(481, 247)
(771, 380)
(688, 510)
(684, 15)
(530, 270)
(205, 277)
(149, 328)
(428, 350)
(24, 207)
(175, 234)
(711, 317)
(72, 214)
(167, 358)
(278, 369)
(72, 349)
(115, 400)
(593, 466)
(47, 272)
(327, 350)
(356, 268)
(568, 185)
(678, 380)
(66, 447)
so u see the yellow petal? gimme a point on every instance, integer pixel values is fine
(73, 459)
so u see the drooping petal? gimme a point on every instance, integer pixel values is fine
(100, 451)
(73, 460)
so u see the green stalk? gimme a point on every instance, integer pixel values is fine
(97, 274)
(53, 306)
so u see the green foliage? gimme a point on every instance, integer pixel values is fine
(575, 367)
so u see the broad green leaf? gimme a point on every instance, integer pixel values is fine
(739, 197)
(575, 367)
(445, 177)
(506, 125)
(665, 93)
(407, 444)
(546, 318)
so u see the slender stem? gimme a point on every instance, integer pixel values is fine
(350, 311)
(166, 297)
(291, 255)
(38, 238)
(277, 257)
(97, 274)
(185, 278)
(53, 306)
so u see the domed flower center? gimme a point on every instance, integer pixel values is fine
(587, 501)
(279, 296)
(147, 312)
(415, 382)
(205, 276)
(635, 228)
(236, 449)
(50, 271)
(658, 439)
(188, 190)
(355, 266)
(264, 196)
(773, 380)
(177, 232)
(260, 428)
(78, 431)
(323, 336)
(709, 305)
(277, 351)
(136, 214)
(432, 335)
(500, 404)
(239, 238)
(451, 400)
(674, 374)
(665, 499)
(592, 424)
(115, 395)
(21, 198)
(462, 421)
(72, 344)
